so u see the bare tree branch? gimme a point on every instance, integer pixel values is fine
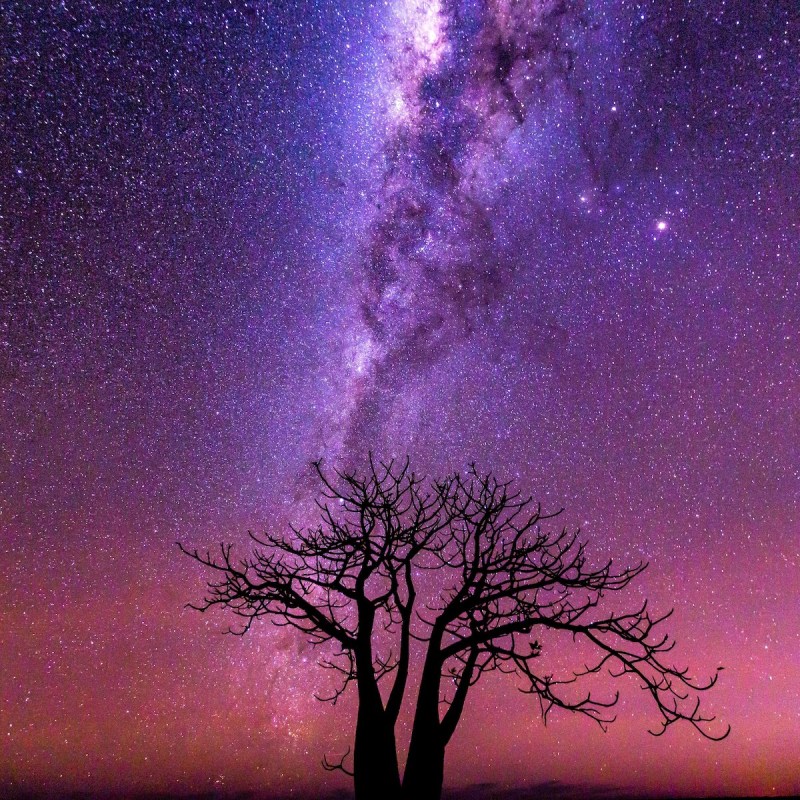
(492, 577)
(333, 766)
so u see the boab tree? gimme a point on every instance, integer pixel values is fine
(464, 566)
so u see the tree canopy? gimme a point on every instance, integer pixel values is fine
(352, 585)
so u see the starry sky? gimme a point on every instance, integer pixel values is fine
(560, 239)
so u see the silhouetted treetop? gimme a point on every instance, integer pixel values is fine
(492, 578)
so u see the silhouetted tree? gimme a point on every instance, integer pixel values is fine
(352, 584)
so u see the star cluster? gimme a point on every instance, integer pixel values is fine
(560, 239)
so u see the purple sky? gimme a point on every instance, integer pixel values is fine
(558, 239)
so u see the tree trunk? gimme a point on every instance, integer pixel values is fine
(424, 772)
(376, 775)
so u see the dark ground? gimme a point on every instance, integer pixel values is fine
(543, 791)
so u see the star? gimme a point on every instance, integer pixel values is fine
(237, 241)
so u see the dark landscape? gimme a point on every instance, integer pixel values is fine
(545, 791)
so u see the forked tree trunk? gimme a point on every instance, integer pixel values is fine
(375, 771)
(424, 773)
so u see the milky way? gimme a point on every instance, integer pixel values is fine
(558, 239)
(463, 74)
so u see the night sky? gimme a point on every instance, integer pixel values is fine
(561, 240)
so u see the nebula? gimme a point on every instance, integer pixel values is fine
(465, 75)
